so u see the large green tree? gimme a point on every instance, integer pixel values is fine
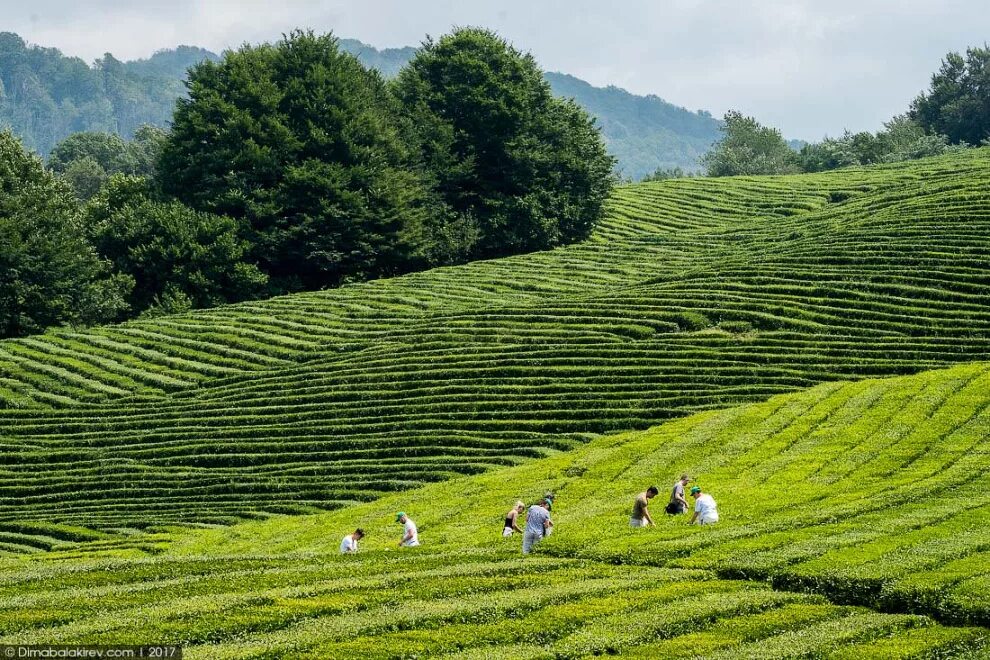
(528, 170)
(747, 148)
(304, 147)
(88, 158)
(172, 252)
(49, 273)
(957, 104)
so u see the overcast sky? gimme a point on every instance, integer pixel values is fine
(808, 67)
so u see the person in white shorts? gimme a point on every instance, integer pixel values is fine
(705, 510)
(410, 536)
(511, 520)
(350, 542)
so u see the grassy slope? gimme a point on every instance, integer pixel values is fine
(694, 295)
(850, 490)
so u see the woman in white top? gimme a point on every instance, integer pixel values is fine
(705, 510)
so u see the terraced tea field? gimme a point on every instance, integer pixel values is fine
(693, 295)
(854, 525)
(454, 605)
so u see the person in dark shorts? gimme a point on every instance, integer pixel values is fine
(641, 508)
(678, 503)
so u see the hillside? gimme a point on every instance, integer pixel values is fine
(694, 295)
(834, 505)
(45, 96)
(643, 132)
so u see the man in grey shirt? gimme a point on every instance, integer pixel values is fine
(678, 503)
(538, 524)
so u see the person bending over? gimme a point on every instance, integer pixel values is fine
(678, 504)
(641, 508)
(350, 542)
(705, 511)
(410, 535)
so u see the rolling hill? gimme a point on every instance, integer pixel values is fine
(694, 295)
(853, 525)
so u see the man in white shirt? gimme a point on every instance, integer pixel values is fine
(410, 536)
(705, 511)
(350, 542)
(538, 524)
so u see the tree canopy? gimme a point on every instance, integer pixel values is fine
(172, 252)
(304, 147)
(290, 166)
(957, 104)
(901, 139)
(51, 274)
(87, 159)
(529, 170)
(46, 96)
(747, 147)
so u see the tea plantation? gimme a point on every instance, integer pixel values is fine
(694, 295)
(854, 525)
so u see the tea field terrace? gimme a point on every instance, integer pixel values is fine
(693, 295)
(854, 525)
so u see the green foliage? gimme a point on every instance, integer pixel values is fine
(531, 170)
(846, 491)
(468, 604)
(51, 275)
(299, 143)
(821, 494)
(748, 148)
(901, 139)
(61, 95)
(171, 62)
(108, 150)
(692, 295)
(957, 104)
(178, 258)
(661, 174)
(87, 159)
(85, 176)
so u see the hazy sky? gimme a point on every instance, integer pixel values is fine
(808, 67)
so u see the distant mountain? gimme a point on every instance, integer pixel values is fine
(643, 132)
(172, 63)
(46, 96)
(387, 60)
